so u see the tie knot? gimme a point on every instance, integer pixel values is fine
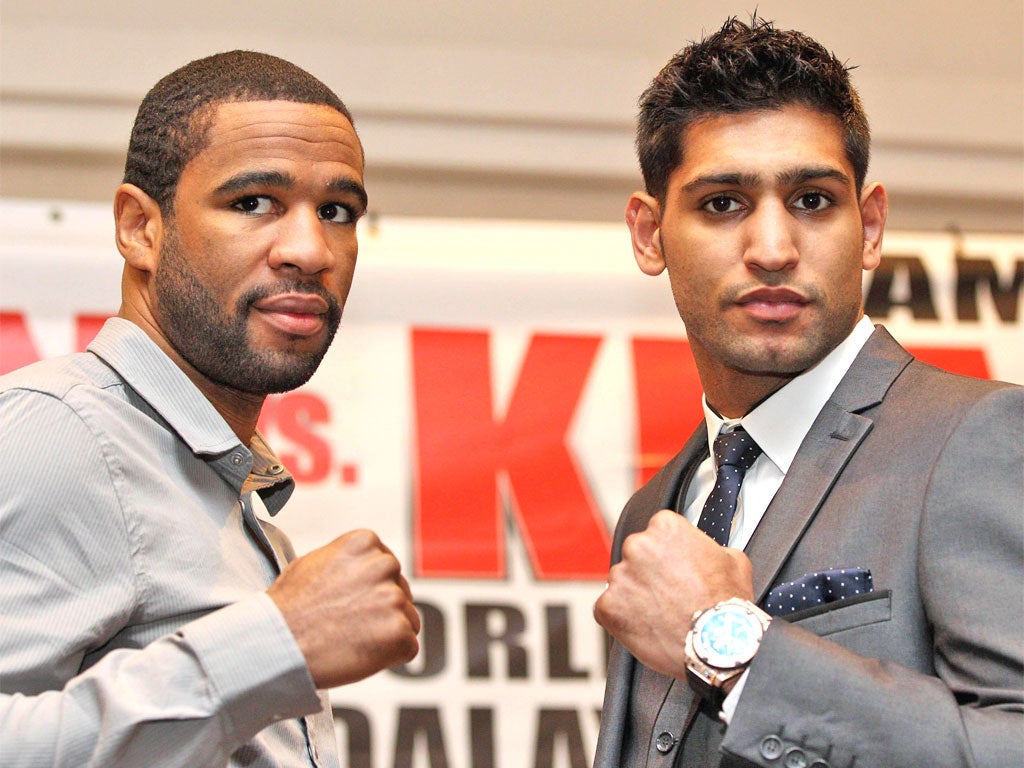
(736, 449)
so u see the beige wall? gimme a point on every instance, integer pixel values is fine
(518, 110)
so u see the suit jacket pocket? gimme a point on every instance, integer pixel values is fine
(849, 613)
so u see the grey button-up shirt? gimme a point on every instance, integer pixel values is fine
(134, 628)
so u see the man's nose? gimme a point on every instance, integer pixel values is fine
(301, 243)
(771, 238)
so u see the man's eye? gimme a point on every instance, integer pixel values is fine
(812, 201)
(722, 204)
(254, 204)
(335, 212)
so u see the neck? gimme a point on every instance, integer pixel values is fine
(240, 410)
(731, 393)
(735, 400)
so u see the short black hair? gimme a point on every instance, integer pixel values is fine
(742, 68)
(173, 121)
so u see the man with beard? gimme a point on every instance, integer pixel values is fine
(150, 616)
(841, 584)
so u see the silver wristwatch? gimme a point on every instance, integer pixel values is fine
(722, 643)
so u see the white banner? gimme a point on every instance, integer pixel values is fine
(495, 393)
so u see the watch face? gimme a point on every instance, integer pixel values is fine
(727, 636)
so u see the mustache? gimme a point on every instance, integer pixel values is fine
(732, 294)
(266, 290)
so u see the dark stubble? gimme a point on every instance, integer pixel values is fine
(216, 343)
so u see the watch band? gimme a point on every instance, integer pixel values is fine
(708, 681)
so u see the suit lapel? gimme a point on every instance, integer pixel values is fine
(831, 441)
(683, 467)
(825, 451)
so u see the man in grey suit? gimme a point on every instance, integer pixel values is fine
(867, 607)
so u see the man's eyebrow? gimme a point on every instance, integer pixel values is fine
(348, 186)
(728, 179)
(797, 176)
(251, 179)
(789, 177)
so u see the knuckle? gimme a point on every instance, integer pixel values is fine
(362, 539)
(615, 573)
(396, 597)
(599, 610)
(389, 571)
(631, 548)
(664, 518)
(410, 649)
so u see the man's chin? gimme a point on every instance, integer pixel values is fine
(774, 360)
(268, 373)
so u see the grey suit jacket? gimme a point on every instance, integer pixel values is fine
(917, 475)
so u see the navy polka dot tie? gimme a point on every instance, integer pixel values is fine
(735, 452)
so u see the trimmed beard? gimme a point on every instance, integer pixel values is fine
(216, 343)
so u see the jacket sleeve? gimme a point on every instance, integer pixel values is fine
(807, 694)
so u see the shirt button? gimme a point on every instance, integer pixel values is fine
(771, 748)
(795, 758)
(237, 459)
(665, 742)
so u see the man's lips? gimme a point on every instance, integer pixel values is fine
(297, 314)
(772, 304)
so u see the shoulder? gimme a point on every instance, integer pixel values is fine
(52, 444)
(61, 512)
(951, 399)
(59, 376)
(885, 378)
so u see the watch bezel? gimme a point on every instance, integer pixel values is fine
(728, 616)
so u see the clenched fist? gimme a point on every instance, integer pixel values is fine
(667, 572)
(350, 609)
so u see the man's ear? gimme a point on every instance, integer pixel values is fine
(874, 209)
(643, 217)
(138, 227)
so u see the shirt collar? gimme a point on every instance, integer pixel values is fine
(160, 382)
(139, 361)
(780, 423)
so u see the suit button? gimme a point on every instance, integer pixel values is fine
(771, 748)
(795, 758)
(819, 763)
(664, 742)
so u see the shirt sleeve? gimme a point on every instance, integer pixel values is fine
(67, 585)
(732, 699)
(188, 699)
